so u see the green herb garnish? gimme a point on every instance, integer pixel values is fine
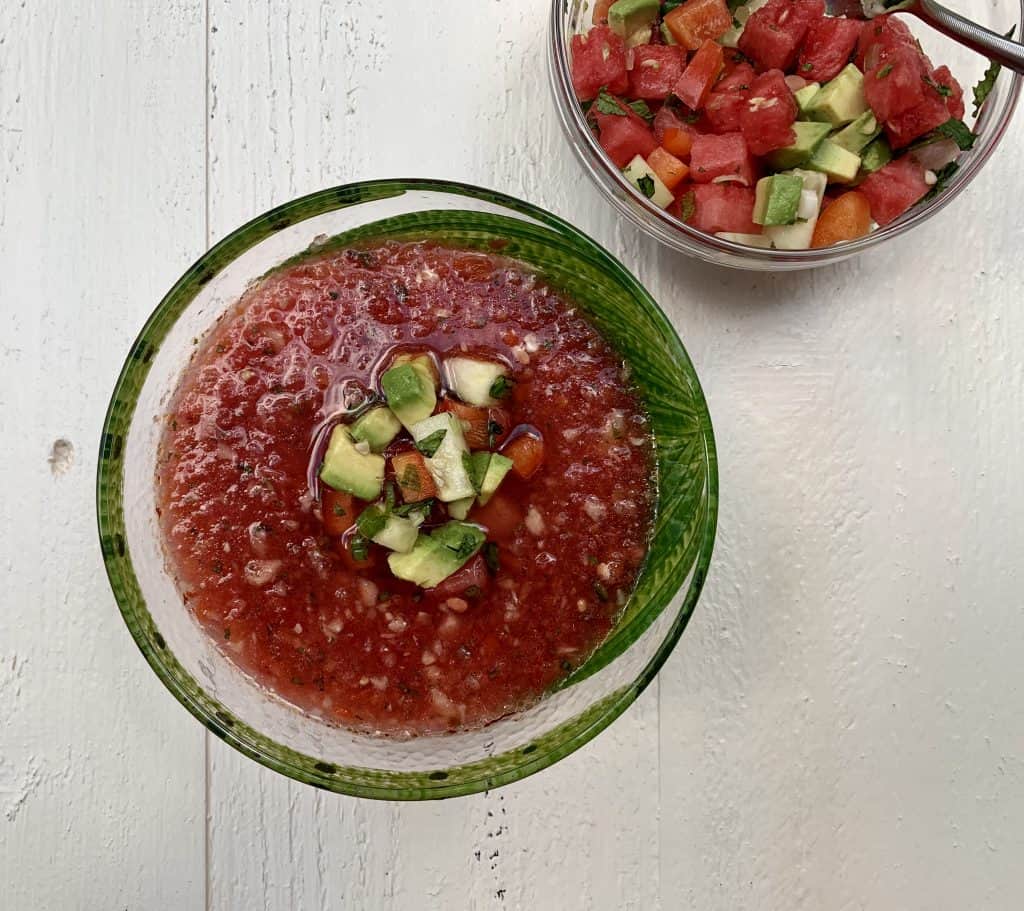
(430, 444)
(606, 104)
(494, 430)
(943, 178)
(371, 521)
(958, 131)
(988, 82)
(687, 206)
(359, 547)
(884, 71)
(389, 496)
(491, 557)
(600, 591)
(646, 185)
(500, 388)
(640, 109)
(407, 509)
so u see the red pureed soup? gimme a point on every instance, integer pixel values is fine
(405, 486)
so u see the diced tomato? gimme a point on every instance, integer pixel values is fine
(598, 59)
(828, 47)
(846, 218)
(474, 422)
(600, 16)
(955, 98)
(338, 511)
(767, 119)
(700, 75)
(625, 136)
(526, 450)
(922, 118)
(673, 133)
(725, 156)
(656, 70)
(670, 170)
(723, 207)
(884, 34)
(412, 476)
(894, 189)
(473, 575)
(698, 20)
(500, 516)
(773, 34)
(345, 552)
(896, 84)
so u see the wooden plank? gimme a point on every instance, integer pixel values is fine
(101, 207)
(309, 94)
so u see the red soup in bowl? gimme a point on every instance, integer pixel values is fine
(406, 486)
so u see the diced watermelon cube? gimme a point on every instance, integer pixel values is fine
(725, 156)
(896, 84)
(774, 33)
(722, 110)
(598, 59)
(922, 118)
(894, 189)
(624, 137)
(736, 79)
(656, 70)
(828, 47)
(723, 207)
(700, 75)
(879, 36)
(767, 118)
(955, 98)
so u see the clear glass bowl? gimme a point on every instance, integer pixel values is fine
(276, 733)
(569, 17)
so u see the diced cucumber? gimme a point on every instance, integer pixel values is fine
(347, 468)
(777, 199)
(436, 556)
(798, 236)
(639, 173)
(473, 380)
(446, 463)
(460, 508)
(378, 427)
(497, 467)
(411, 396)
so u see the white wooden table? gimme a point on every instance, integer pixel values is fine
(842, 726)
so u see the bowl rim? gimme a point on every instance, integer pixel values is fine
(120, 414)
(679, 236)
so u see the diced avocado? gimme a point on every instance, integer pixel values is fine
(877, 155)
(803, 96)
(798, 236)
(446, 454)
(808, 137)
(410, 395)
(841, 100)
(855, 136)
(473, 380)
(497, 467)
(751, 240)
(347, 468)
(397, 533)
(423, 364)
(835, 162)
(478, 462)
(626, 17)
(460, 508)
(378, 427)
(435, 557)
(639, 173)
(777, 199)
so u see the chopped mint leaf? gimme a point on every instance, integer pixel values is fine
(884, 71)
(371, 521)
(407, 509)
(959, 132)
(668, 5)
(640, 108)
(687, 206)
(606, 104)
(389, 496)
(494, 430)
(500, 388)
(988, 82)
(943, 178)
(430, 444)
(600, 591)
(646, 185)
(806, 67)
(339, 510)
(692, 117)
(491, 557)
(359, 547)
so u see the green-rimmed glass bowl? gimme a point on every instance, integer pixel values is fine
(271, 730)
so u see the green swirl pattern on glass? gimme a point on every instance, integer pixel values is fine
(686, 469)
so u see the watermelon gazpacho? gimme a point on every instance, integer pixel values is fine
(406, 486)
(750, 121)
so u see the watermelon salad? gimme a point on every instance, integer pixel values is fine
(769, 123)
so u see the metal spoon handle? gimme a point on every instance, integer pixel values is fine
(997, 48)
